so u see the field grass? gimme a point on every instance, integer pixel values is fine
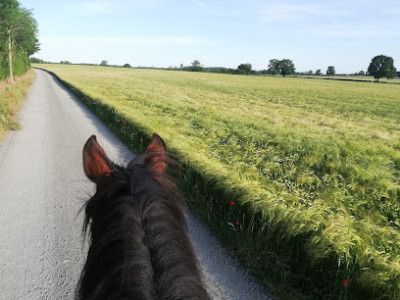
(11, 97)
(299, 177)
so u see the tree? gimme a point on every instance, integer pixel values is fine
(245, 68)
(9, 16)
(283, 67)
(286, 67)
(104, 63)
(127, 65)
(18, 34)
(274, 67)
(196, 66)
(382, 66)
(35, 60)
(361, 73)
(318, 72)
(26, 34)
(330, 70)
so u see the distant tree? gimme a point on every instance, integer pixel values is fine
(361, 73)
(283, 67)
(65, 62)
(35, 60)
(286, 67)
(382, 66)
(274, 67)
(196, 66)
(245, 68)
(104, 63)
(127, 66)
(318, 72)
(310, 72)
(331, 70)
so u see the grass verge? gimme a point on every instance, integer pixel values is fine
(11, 98)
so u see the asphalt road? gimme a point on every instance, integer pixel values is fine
(42, 189)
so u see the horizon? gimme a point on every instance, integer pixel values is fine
(162, 34)
(205, 69)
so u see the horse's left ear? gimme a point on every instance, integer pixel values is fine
(96, 164)
(156, 155)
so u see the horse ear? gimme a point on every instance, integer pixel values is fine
(96, 164)
(156, 155)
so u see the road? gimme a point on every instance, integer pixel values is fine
(42, 189)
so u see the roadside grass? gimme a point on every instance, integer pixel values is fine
(11, 98)
(300, 178)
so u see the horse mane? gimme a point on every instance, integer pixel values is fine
(139, 244)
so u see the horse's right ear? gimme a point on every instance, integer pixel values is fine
(96, 164)
(156, 155)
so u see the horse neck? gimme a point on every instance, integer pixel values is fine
(175, 264)
(140, 247)
(118, 264)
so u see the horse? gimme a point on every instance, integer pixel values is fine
(139, 244)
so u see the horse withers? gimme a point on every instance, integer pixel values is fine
(139, 244)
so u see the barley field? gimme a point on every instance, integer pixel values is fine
(299, 177)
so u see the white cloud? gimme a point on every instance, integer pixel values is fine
(284, 11)
(199, 3)
(392, 11)
(156, 41)
(109, 7)
(100, 7)
(351, 32)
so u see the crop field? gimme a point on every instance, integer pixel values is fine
(299, 177)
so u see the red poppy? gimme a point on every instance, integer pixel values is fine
(231, 203)
(124, 122)
(237, 223)
(141, 140)
(345, 282)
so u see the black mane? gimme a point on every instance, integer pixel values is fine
(139, 245)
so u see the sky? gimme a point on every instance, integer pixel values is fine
(345, 34)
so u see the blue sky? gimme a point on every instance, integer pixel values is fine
(160, 33)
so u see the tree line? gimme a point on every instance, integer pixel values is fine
(379, 67)
(18, 38)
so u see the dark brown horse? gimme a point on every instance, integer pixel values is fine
(139, 245)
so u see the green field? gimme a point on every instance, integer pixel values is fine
(312, 168)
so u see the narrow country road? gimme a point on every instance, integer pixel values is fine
(42, 189)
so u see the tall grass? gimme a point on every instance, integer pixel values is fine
(300, 177)
(11, 97)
